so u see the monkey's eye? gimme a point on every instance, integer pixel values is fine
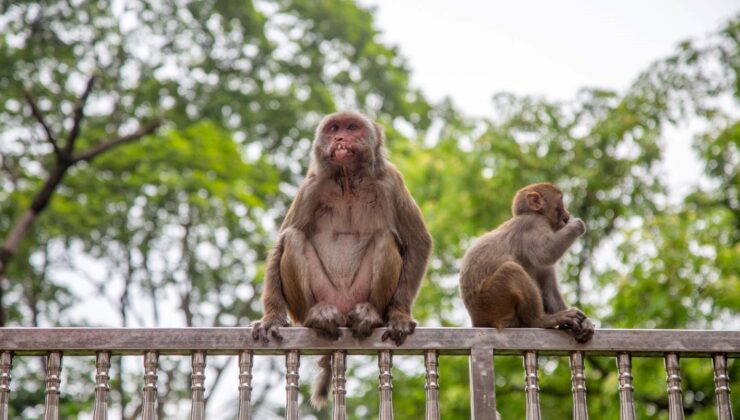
(334, 127)
(352, 127)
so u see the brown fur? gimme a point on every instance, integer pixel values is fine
(353, 248)
(507, 277)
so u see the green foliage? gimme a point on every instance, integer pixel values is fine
(174, 229)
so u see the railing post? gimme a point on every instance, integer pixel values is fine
(722, 387)
(102, 367)
(578, 380)
(626, 389)
(338, 368)
(245, 385)
(198, 387)
(6, 365)
(292, 362)
(53, 381)
(531, 385)
(673, 379)
(482, 377)
(149, 411)
(385, 384)
(431, 365)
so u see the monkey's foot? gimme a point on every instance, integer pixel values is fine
(326, 320)
(267, 327)
(398, 328)
(362, 319)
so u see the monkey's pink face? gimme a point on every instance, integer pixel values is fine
(346, 142)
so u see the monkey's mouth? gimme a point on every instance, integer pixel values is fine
(341, 152)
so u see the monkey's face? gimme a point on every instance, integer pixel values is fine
(558, 216)
(344, 142)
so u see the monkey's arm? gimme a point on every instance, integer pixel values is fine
(551, 297)
(415, 247)
(550, 246)
(273, 299)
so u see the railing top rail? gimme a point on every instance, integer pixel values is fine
(86, 341)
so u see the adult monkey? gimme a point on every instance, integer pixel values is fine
(507, 277)
(353, 247)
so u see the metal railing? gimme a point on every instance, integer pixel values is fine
(479, 344)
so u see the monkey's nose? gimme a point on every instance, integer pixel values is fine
(566, 218)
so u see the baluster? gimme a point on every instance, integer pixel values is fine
(292, 362)
(385, 385)
(673, 378)
(198, 386)
(722, 387)
(149, 411)
(102, 367)
(432, 384)
(482, 391)
(626, 401)
(531, 385)
(245, 385)
(338, 367)
(6, 365)
(578, 379)
(53, 381)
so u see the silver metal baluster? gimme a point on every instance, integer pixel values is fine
(722, 387)
(432, 384)
(245, 385)
(578, 380)
(292, 362)
(626, 400)
(102, 367)
(673, 378)
(149, 411)
(198, 386)
(339, 381)
(6, 365)
(385, 385)
(531, 385)
(53, 381)
(482, 378)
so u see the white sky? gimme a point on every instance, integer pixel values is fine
(470, 49)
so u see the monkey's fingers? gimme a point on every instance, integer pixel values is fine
(585, 331)
(275, 332)
(399, 329)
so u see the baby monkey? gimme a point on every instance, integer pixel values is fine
(507, 277)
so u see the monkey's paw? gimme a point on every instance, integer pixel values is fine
(362, 319)
(267, 327)
(585, 330)
(579, 226)
(326, 320)
(398, 328)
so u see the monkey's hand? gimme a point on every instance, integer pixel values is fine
(266, 327)
(585, 331)
(399, 326)
(577, 225)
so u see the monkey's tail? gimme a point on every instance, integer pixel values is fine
(321, 383)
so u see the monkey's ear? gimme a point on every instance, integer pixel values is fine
(379, 133)
(535, 201)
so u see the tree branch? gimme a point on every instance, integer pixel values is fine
(79, 113)
(101, 147)
(40, 118)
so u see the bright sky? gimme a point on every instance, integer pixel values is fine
(470, 49)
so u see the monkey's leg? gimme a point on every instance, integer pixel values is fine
(507, 298)
(305, 282)
(377, 277)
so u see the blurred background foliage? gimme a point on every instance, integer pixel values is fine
(173, 229)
